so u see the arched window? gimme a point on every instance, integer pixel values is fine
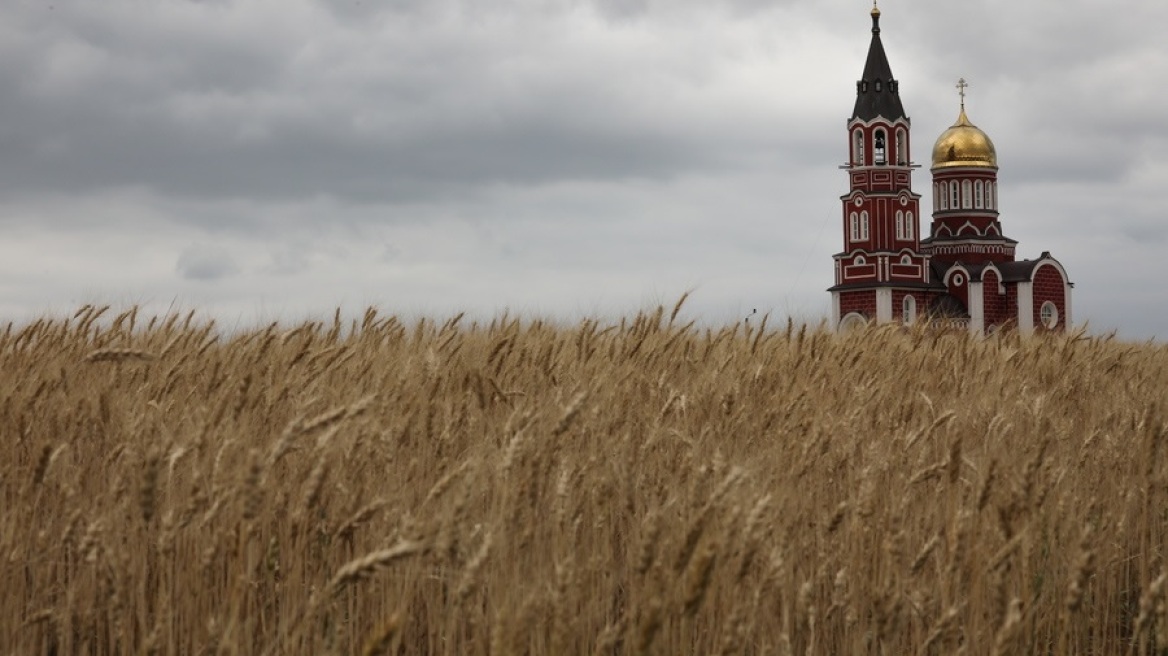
(910, 226)
(880, 147)
(852, 321)
(901, 147)
(864, 226)
(979, 194)
(966, 194)
(858, 147)
(953, 195)
(941, 193)
(991, 196)
(860, 260)
(899, 224)
(854, 227)
(908, 309)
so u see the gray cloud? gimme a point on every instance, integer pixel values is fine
(555, 156)
(205, 262)
(398, 110)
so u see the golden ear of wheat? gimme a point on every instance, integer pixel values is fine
(119, 355)
(366, 566)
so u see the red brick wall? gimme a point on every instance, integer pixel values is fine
(863, 301)
(922, 298)
(1049, 286)
(898, 304)
(960, 292)
(995, 306)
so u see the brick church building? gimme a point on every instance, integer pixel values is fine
(963, 272)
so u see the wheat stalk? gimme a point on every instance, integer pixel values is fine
(119, 355)
(362, 568)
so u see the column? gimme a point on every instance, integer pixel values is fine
(1026, 307)
(883, 305)
(976, 308)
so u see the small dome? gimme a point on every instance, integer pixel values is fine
(964, 145)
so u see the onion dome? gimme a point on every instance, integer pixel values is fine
(964, 145)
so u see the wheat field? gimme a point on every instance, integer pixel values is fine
(519, 486)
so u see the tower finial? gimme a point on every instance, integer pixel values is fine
(875, 18)
(875, 10)
(962, 85)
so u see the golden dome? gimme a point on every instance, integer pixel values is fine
(964, 145)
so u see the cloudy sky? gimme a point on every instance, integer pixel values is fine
(276, 159)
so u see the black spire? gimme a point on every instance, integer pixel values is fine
(877, 93)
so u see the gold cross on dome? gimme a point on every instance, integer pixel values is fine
(962, 85)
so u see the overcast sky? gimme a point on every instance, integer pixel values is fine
(276, 159)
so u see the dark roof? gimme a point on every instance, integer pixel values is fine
(932, 285)
(939, 271)
(1018, 271)
(877, 93)
(1021, 271)
(974, 270)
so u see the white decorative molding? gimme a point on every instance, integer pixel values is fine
(851, 321)
(883, 305)
(1026, 307)
(976, 308)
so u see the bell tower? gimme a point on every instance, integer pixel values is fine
(881, 274)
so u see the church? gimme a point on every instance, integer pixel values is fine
(963, 273)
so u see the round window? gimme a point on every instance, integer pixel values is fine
(904, 200)
(958, 279)
(859, 201)
(1048, 315)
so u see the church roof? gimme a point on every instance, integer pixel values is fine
(1018, 271)
(877, 92)
(964, 144)
(939, 271)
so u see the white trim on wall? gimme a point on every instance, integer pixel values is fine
(883, 305)
(851, 321)
(1026, 307)
(976, 308)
